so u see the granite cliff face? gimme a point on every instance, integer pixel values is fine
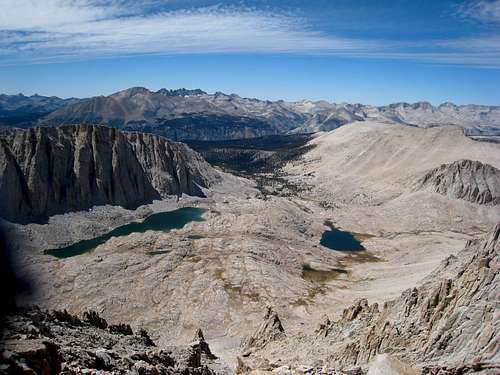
(465, 179)
(46, 171)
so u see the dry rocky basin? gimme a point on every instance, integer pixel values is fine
(383, 182)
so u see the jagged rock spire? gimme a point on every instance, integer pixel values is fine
(198, 336)
(271, 329)
(200, 344)
(323, 326)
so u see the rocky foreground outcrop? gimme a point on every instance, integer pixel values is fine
(270, 330)
(46, 171)
(465, 179)
(451, 319)
(448, 325)
(38, 342)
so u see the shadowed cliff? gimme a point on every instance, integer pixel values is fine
(46, 171)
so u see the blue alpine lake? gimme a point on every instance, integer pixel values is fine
(339, 240)
(162, 221)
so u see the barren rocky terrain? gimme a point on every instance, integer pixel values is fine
(58, 342)
(447, 323)
(261, 247)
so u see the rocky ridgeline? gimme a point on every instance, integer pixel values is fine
(449, 325)
(450, 320)
(46, 171)
(180, 114)
(196, 115)
(37, 342)
(465, 179)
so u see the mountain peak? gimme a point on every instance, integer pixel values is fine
(132, 91)
(422, 105)
(181, 92)
(447, 104)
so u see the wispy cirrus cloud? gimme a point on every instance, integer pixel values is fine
(62, 30)
(88, 28)
(482, 10)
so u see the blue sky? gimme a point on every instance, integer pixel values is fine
(373, 52)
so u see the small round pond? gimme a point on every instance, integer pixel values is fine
(339, 240)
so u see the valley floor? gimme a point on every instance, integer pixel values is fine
(256, 249)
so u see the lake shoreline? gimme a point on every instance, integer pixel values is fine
(160, 221)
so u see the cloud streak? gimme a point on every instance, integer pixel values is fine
(60, 30)
(483, 10)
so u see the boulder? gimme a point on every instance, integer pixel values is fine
(384, 364)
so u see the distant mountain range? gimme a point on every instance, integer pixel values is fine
(23, 111)
(184, 114)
